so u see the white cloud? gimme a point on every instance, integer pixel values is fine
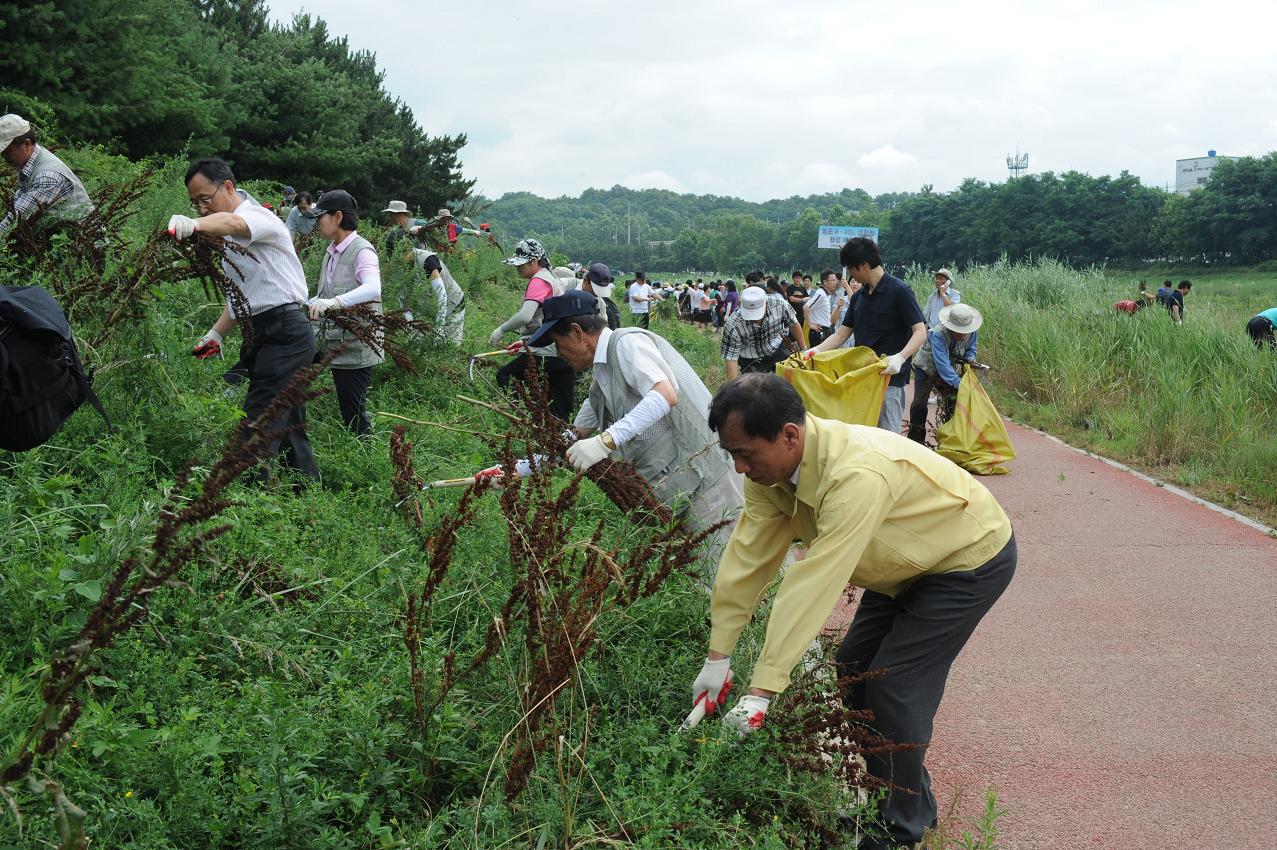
(654, 180)
(886, 157)
(762, 100)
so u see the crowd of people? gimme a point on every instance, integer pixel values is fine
(929, 544)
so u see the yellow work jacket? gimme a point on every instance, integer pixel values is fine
(875, 509)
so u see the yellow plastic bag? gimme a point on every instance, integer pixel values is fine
(975, 438)
(843, 384)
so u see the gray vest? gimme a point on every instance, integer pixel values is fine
(678, 455)
(73, 207)
(358, 354)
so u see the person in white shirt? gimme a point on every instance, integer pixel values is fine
(641, 299)
(274, 286)
(818, 310)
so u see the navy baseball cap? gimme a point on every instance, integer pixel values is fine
(569, 305)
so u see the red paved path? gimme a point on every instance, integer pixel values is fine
(1123, 692)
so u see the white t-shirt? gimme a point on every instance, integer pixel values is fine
(818, 307)
(276, 277)
(644, 290)
(641, 364)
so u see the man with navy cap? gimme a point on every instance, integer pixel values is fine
(647, 406)
(598, 280)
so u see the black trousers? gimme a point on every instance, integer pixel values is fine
(641, 319)
(923, 383)
(914, 637)
(352, 393)
(766, 363)
(1261, 332)
(815, 336)
(559, 376)
(283, 344)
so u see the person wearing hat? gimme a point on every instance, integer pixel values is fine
(300, 224)
(403, 224)
(454, 230)
(533, 265)
(944, 296)
(929, 544)
(351, 275)
(46, 188)
(598, 280)
(952, 341)
(275, 288)
(646, 405)
(290, 196)
(754, 335)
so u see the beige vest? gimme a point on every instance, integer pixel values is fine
(358, 354)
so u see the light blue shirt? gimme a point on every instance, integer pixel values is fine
(931, 310)
(298, 223)
(1271, 315)
(940, 355)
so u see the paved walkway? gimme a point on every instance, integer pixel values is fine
(1123, 693)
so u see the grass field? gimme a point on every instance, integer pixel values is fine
(1194, 404)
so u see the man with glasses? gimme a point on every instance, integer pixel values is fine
(46, 186)
(274, 285)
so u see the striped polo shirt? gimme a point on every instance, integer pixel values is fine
(277, 277)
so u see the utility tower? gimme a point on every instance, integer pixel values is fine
(1017, 164)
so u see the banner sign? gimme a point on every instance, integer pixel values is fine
(835, 237)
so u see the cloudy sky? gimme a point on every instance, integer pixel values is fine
(770, 99)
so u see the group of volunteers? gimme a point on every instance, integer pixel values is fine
(928, 543)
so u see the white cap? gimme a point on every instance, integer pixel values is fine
(753, 303)
(396, 206)
(12, 126)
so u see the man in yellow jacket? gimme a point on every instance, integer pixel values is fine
(928, 542)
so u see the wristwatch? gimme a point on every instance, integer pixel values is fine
(607, 440)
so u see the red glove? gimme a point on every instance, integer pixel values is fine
(490, 472)
(209, 345)
(517, 347)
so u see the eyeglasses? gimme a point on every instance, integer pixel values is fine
(204, 200)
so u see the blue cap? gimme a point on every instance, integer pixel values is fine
(569, 305)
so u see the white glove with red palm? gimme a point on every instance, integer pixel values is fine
(748, 714)
(713, 684)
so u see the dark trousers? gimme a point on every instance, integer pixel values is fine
(559, 376)
(283, 344)
(1261, 332)
(352, 392)
(914, 637)
(923, 383)
(815, 336)
(766, 363)
(641, 319)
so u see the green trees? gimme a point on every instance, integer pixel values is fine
(213, 77)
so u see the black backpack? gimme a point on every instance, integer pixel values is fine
(41, 379)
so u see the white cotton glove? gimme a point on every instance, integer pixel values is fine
(809, 353)
(894, 362)
(209, 345)
(713, 684)
(585, 453)
(181, 227)
(494, 339)
(748, 714)
(414, 230)
(320, 306)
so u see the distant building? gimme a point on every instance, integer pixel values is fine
(1193, 173)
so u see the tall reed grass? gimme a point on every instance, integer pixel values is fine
(1196, 402)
